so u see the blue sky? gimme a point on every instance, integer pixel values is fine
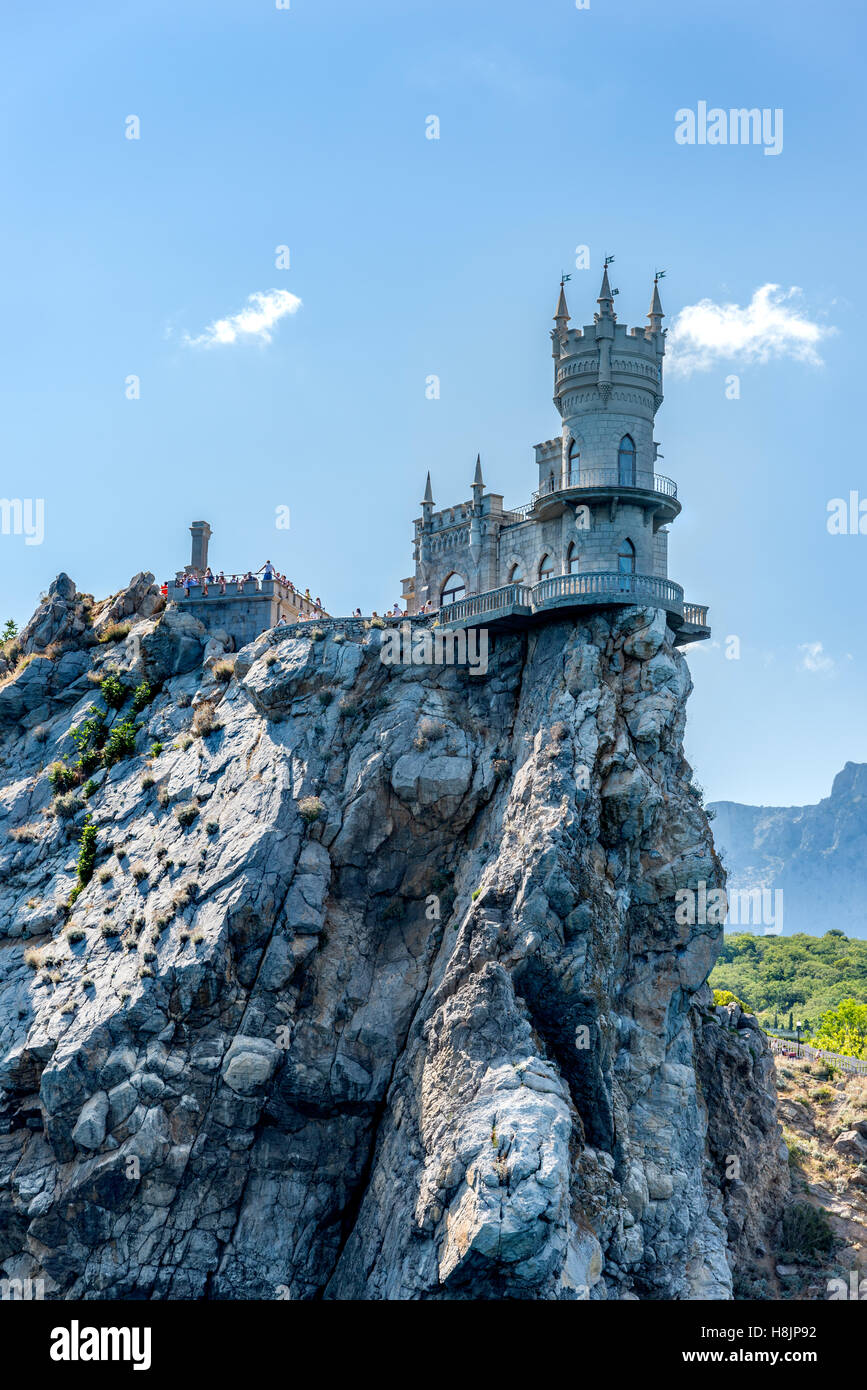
(306, 127)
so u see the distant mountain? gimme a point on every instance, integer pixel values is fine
(816, 855)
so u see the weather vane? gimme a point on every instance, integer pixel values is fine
(564, 277)
(609, 260)
(660, 275)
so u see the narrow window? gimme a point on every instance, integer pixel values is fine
(626, 461)
(546, 567)
(573, 559)
(626, 558)
(516, 575)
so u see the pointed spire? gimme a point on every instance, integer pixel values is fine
(428, 493)
(478, 480)
(561, 318)
(656, 315)
(606, 298)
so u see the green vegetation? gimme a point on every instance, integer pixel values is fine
(725, 996)
(86, 853)
(10, 630)
(788, 979)
(311, 808)
(142, 696)
(807, 1234)
(121, 743)
(89, 738)
(113, 689)
(844, 1029)
(62, 778)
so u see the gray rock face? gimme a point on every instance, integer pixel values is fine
(813, 854)
(173, 645)
(377, 990)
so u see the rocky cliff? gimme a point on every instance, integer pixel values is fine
(814, 854)
(321, 978)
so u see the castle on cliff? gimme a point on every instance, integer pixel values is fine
(593, 535)
(595, 531)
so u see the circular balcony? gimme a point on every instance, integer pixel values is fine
(599, 588)
(640, 487)
(608, 586)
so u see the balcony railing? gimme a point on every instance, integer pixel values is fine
(695, 613)
(515, 515)
(510, 595)
(606, 478)
(607, 583)
(592, 587)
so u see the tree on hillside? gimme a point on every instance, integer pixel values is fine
(10, 630)
(844, 1029)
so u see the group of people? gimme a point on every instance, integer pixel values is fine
(193, 580)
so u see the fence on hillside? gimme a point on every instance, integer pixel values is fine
(784, 1048)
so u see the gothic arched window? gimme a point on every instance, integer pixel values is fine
(626, 558)
(546, 567)
(453, 590)
(574, 458)
(573, 559)
(516, 574)
(626, 461)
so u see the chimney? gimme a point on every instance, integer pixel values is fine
(201, 534)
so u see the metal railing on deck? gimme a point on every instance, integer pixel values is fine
(607, 478)
(590, 586)
(604, 583)
(782, 1047)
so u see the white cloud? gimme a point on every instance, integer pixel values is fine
(815, 659)
(253, 323)
(769, 326)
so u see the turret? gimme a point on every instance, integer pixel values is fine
(656, 315)
(475, 522)
(605, 301)
(427, 503)
(561, 318)
(478, 484)
(426, 518)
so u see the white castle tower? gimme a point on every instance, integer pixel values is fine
(595, 532)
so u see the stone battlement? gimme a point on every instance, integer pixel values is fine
(239, 606)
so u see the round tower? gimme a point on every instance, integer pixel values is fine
(608, 388)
